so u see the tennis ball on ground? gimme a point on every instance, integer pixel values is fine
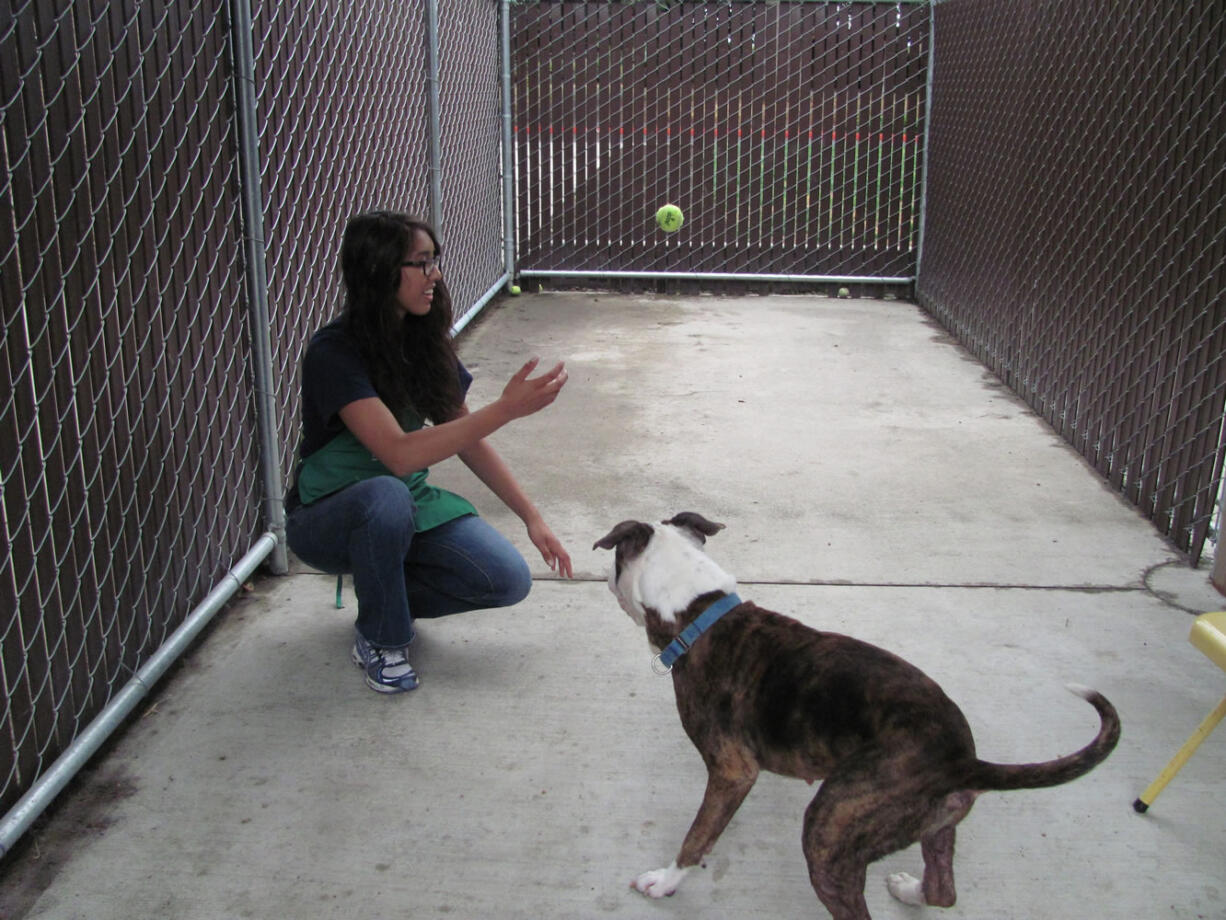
(514, 290)
(669, 218)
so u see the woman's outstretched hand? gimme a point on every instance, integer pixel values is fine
(524, 395)
(551, 549)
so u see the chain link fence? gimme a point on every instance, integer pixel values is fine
(343, 106)
(170, 166)
(1075, 231)
(790, 135)
(129, 451)
(126, 448)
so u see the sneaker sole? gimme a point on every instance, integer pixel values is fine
(385, 688)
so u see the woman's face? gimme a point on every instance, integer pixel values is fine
(418, 276)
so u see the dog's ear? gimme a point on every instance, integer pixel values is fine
(628, 537)
(696, 524)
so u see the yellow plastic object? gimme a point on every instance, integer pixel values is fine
(1209, 636)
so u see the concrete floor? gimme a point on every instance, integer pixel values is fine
(875, 480)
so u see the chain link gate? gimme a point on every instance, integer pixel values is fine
(790, 134)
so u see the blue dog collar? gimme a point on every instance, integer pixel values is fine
(690, 634)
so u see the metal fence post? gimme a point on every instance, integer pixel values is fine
(1218, 575)
(508, 151)
(256, 280)
(923, 184)
(433, 108)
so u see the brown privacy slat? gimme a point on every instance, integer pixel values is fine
(792, 113)
(684, 139)
(783, 163)
(824, 61)
(648, 121)
(522, 103)
(585, 143)
(26, 710)
(18, 700)
(1072, 240)
(73, 547)
(728, 77)
(751, 103)
(96, 580)
(557, 151)
(627, 125)
(42, 611)
(715, 55)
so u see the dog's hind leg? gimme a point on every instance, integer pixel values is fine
(868, 809)
(832, 839)
(839, 884)
(937, 845)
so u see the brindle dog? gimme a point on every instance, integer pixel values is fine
(761, 691)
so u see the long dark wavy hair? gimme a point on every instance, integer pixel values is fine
(411, 360)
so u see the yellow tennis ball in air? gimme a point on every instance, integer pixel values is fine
(669, 217)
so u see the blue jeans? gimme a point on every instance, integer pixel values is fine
(399, 575)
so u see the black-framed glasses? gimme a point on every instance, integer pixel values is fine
(427, 266)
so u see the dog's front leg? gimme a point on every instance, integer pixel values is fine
(726, 790)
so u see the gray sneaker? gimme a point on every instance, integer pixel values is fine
(387, 669)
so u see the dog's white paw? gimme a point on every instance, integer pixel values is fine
(659, 883)
(907, 888)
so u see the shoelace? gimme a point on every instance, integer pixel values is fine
(390, 658)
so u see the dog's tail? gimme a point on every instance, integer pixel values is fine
(995, 776)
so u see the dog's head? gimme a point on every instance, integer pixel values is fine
(662, 568)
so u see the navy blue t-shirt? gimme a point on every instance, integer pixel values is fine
(333, 376)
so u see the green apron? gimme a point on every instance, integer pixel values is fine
(344, 461)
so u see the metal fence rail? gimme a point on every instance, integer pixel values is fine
(1075, 233)
(789, 133)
